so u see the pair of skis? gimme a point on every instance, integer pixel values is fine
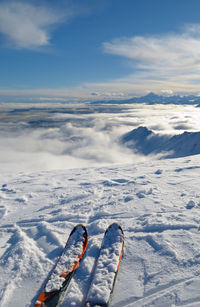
(104, 275)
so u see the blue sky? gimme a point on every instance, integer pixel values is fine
(98, 49)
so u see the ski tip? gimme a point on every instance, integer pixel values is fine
(116, 225)
(79, 226)
(81, 229)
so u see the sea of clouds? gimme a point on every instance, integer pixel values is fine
(47, 136)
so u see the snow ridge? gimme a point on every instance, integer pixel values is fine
(142, 140)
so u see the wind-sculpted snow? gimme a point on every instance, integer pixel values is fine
(145, 141)
(156, 202)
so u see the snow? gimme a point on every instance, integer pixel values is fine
(161, 263)
(156, 202)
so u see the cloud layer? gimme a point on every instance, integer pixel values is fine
(45, 137)
(27, 25)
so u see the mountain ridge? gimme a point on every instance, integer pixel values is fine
(144, 141)
(152, 98)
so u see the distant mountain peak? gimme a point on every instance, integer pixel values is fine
(151, 94)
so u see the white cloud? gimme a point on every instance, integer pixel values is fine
(164, 62)
(76, 140)
(167, 91)
(173, 52)
(29, 26)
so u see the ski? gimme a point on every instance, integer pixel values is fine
(64, 268)
(106, 268)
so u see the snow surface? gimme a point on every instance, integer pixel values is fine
(157, 204)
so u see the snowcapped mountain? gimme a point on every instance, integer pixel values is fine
(152, 98)
(145, 141)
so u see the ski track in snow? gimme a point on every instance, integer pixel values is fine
(157, 203)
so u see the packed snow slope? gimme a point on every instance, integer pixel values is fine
(157, 203)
